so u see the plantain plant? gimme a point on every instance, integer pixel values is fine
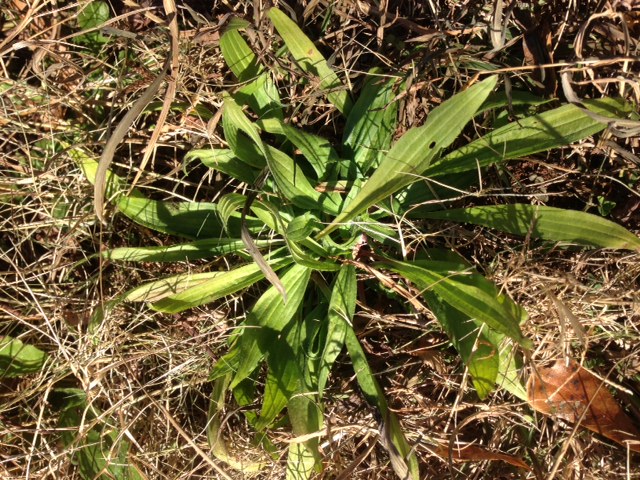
(318, 215)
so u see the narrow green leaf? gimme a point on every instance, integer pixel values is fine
(547, 223)
(417, 148)
(228, 205)
(554, 128)
(371, 124)
(166, 287)
(183, 252)
(267, 318)
(317, 150)
(237, 54)
(479, 354)
(470, 294)
(237, 130)
(216, 287)
(310, 59)
(214, 434)
(283, 378)
(302, 226)
(225, 161)
(262, 96)
(341, 310)
(296, 187)
(184, 219)
(17, 358)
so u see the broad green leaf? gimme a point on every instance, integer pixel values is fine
(417, 148)
(554, 128)
(17, 358)
(509, 373)
(95, 14)
(403, 459)
(185, 219)
(237, 54)
(341, 310)
(225, 161)
(183, 252)
(371, 124)
(99, 450)
(217, 287)
(311, 60)
(267, 318)
(306, 417)
(470, 294)
(547, 223)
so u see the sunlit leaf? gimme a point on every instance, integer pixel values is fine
(310, 59)
(416, 149)
(547, 223)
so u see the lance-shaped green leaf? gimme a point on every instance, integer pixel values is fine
(216, 287)
(317, 150)
(413, 153)
(17, 358)
(225, 161)
(371, 123)
(477, 352)
(183, 252)
(236, 52)
(341, 310)
(311, 60)
(547, 223)
(471, 294)
(185, 219)
(267, 318)
(537, 133)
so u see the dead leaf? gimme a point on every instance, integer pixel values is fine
(475, 453)
(568, 391)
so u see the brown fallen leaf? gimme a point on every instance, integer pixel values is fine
(475, 453)
(569, 391)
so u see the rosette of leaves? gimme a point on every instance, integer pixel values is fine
(311, 205)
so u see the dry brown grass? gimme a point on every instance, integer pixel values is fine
(148, 372)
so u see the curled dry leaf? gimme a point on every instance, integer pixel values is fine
(475, 453)
(574, 394)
